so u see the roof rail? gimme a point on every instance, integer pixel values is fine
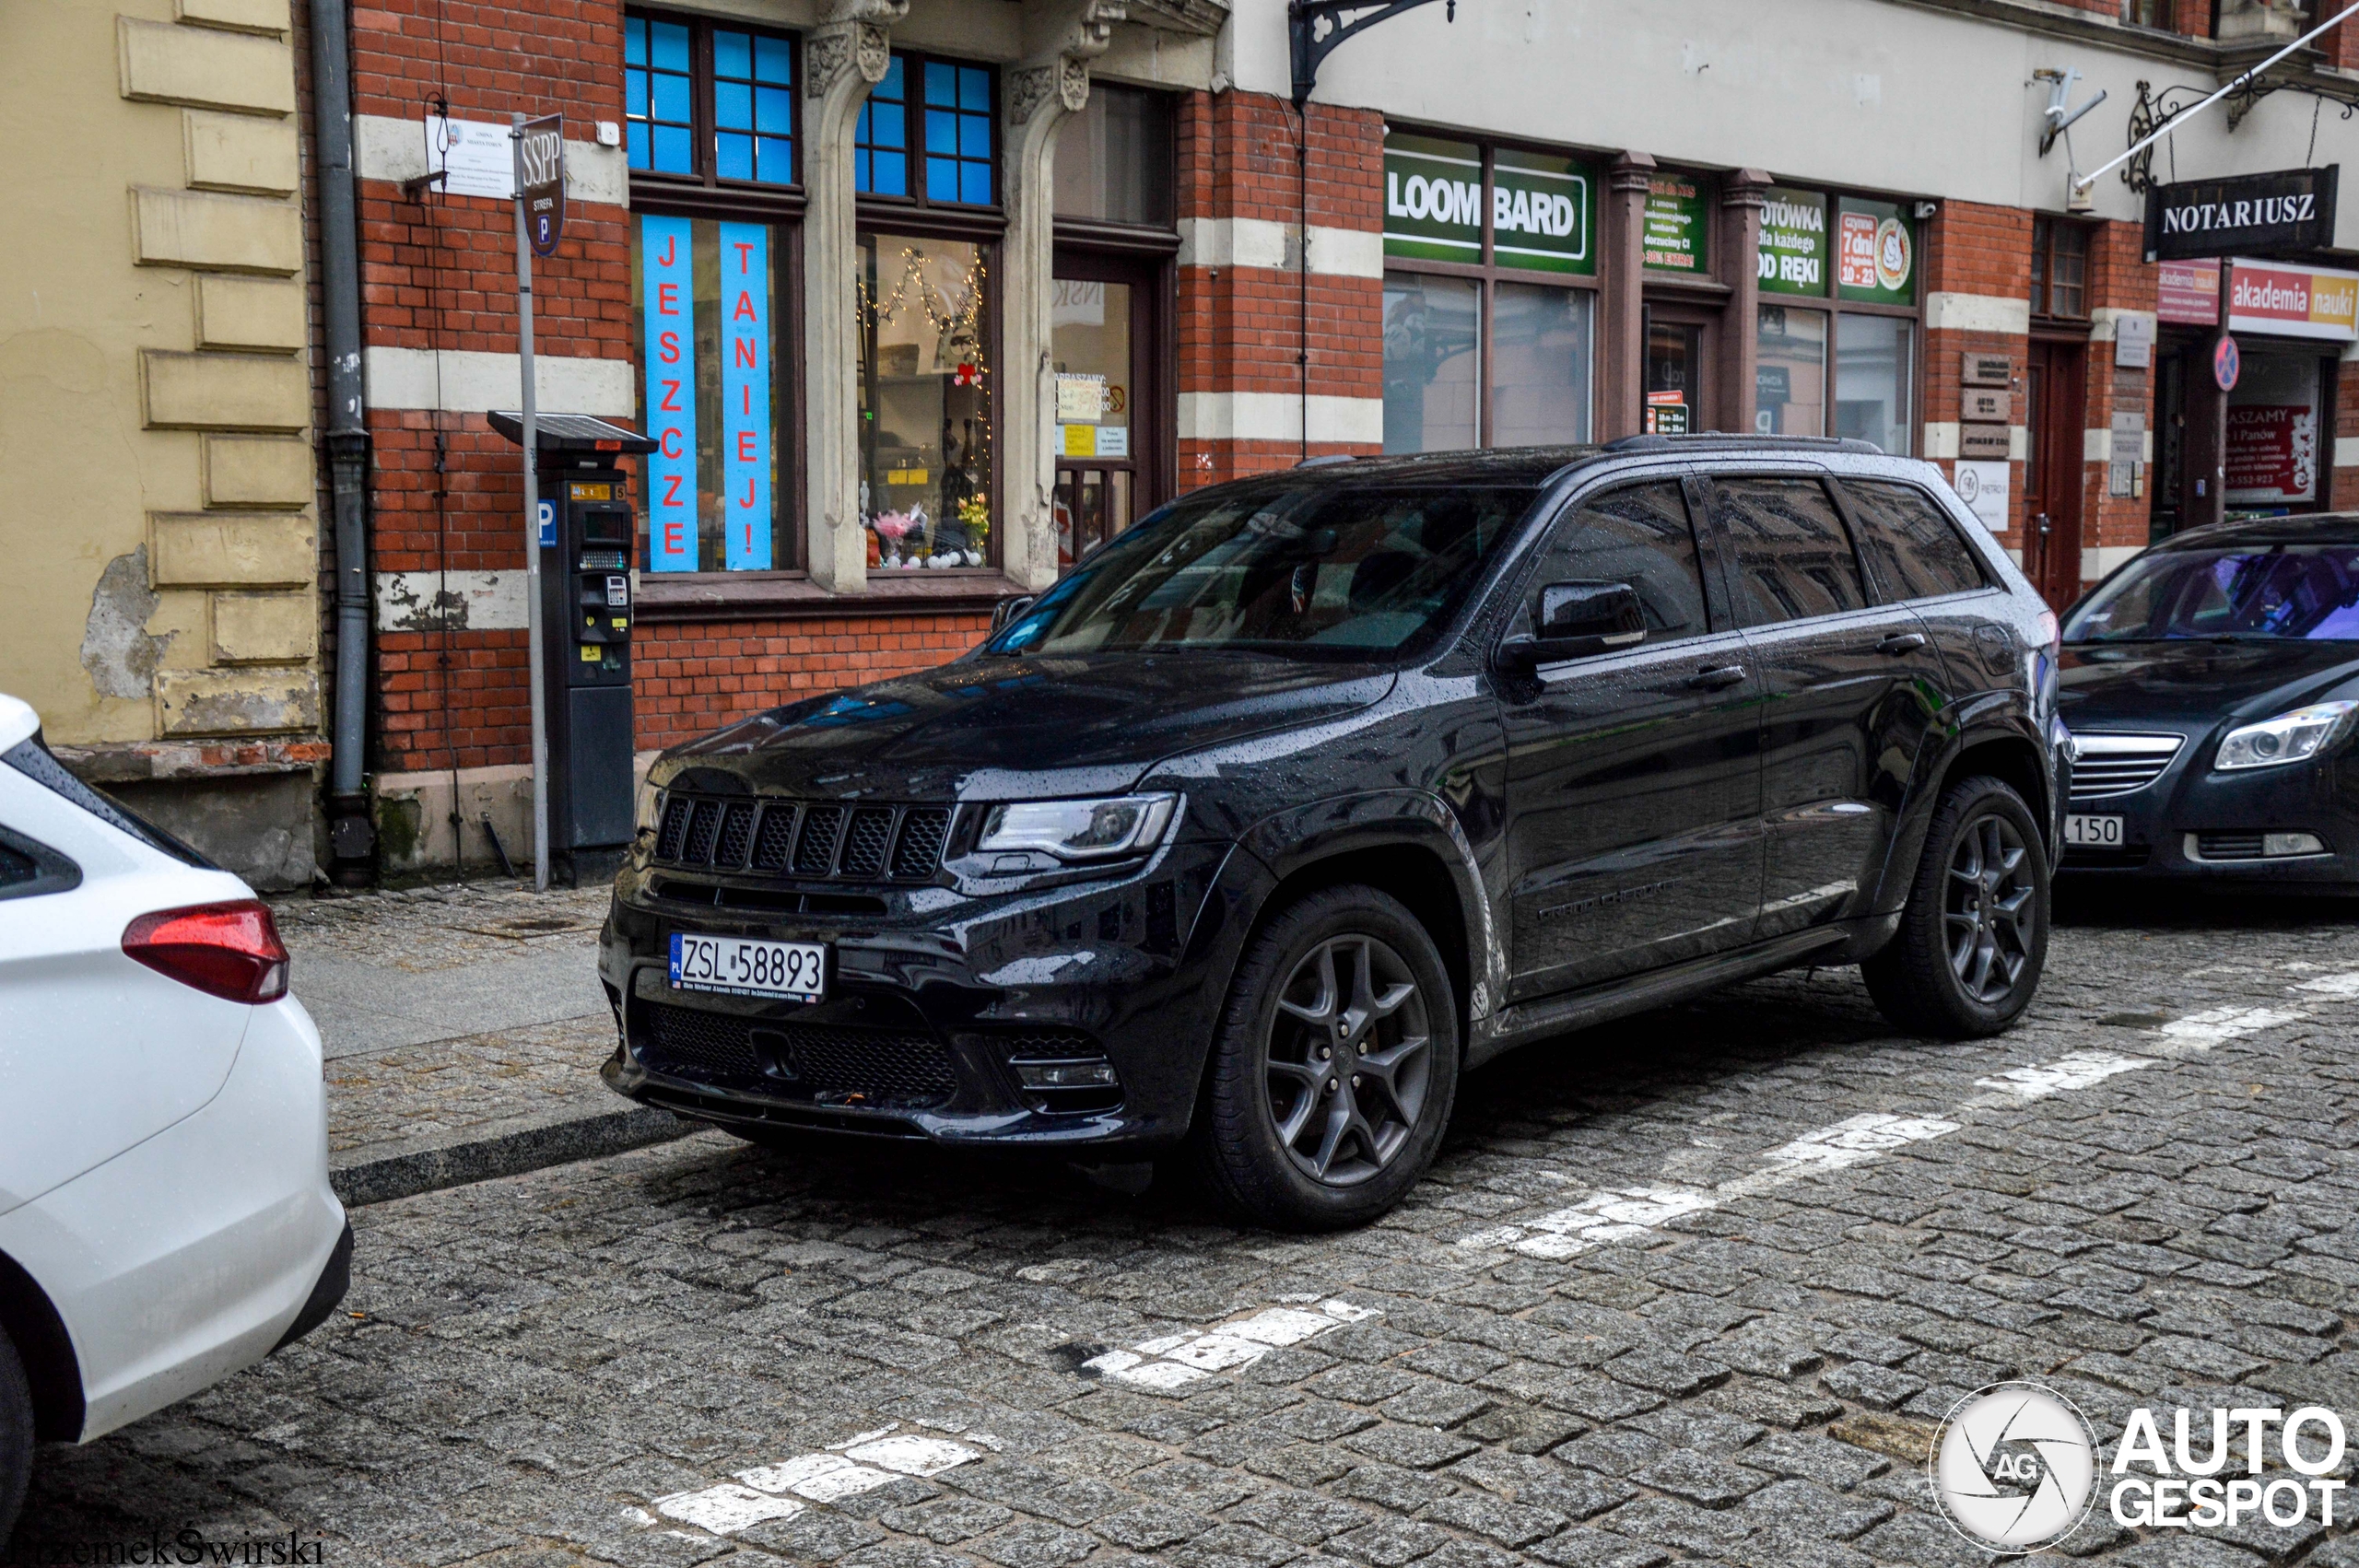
(1324, 460)
(1743, 442)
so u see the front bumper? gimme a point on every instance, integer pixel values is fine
(935, 1004)
(2166, 825)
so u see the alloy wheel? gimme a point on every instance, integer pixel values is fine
(1349, 1059)
(1987, 919)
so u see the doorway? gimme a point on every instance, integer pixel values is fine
(1104, 350)
(1677, 391)
(2054, 469)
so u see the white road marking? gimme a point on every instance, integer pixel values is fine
(1173, 1361)
(2075, 1071)
(1622, 1213)
(2216, 1025)
(845, 1469)
(725, 1509)
(1857, 1140)
(2342, 985)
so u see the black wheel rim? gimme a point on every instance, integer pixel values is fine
(1350, 1061)
(1991, 914)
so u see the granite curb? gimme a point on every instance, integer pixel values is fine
(377, 1174)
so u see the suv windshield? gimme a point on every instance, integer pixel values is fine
(2259, 592)
(1292, 566)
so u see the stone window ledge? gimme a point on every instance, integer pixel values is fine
(130, 762)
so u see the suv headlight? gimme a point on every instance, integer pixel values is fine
(2290, 737)
(650, 800)
(1079, 830)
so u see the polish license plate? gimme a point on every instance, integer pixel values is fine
(746, 966)
(2104, 832)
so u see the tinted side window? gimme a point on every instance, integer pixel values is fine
(1910, 543)
(1638, 535)
(1793, 554)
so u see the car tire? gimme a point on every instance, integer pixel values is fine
(1292, 1138)
(1973, 938)
(15, 1438)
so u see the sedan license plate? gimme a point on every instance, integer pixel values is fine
(745, 967)
(2102, 832)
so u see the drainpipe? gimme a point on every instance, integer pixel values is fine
(351, 836)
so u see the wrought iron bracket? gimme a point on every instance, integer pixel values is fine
(1310, 46)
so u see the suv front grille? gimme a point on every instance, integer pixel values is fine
(2108, 766)
(732, 1051)
(802, 838)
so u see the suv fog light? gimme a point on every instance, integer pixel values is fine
(1098, 1074)
(2273, 845)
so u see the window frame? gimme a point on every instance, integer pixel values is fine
(703, 114)
(1488, 272)
(1732, 568)
(2045, 226)
(1831, 308)
(914, 62)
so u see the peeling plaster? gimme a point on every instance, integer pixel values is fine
(116, 649)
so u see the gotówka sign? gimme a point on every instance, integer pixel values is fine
(1793, 242)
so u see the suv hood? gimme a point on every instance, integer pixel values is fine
(1016, 729)
(2193, 686)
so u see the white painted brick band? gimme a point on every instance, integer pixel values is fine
(1258, 242)
(1977, 312)
(1278, 416)
(471, 383)
(387, 148)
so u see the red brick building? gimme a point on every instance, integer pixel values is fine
(924, 298)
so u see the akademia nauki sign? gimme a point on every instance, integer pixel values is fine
(2291, 209)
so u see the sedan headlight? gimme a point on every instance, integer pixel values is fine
(1079, 830)
(2290, 737)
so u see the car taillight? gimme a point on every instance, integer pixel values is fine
(226, 949)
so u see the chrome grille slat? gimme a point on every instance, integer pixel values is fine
(823, 841)
(2108, 765)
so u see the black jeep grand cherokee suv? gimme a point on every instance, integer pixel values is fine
(1314, 790)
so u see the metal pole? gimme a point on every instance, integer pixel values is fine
(2083, 182)
(532, 533)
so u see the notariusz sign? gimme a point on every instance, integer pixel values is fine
(2290, 210)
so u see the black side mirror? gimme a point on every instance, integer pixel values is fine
(1576, 620)
(1006, 610)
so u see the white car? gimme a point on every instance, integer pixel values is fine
(164, 1213)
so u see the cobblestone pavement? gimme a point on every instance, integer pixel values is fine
(466, 1009)
(1694, 1288)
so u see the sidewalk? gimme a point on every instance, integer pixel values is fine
(463, 1027)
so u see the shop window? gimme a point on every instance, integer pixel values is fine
(2273, 432)
(707, 311)
(1114, 158)
(1539, 365)
(2146, 13)
(1432, 338)
(925, 400)
(939, 110)
(736, 83)
(1874, 380)
(2059, 268)
(1789, 381)
(880, 158)
(1487, 340)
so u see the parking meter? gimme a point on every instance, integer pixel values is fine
(587, 613)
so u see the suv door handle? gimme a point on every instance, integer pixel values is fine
(1712, 677)
(1901, 642)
